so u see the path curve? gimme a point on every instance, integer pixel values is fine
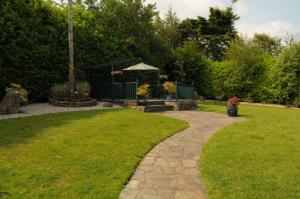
(170, 170)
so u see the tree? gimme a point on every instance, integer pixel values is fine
(212, 35)
(191, 65)
(247, 69)
(71, 47)
(169, 27)
(269, 44)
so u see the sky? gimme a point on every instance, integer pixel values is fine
(275, 17)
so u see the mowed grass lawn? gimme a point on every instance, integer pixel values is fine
(77, 155)
(258, 158)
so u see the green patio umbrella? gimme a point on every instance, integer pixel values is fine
(144, 67)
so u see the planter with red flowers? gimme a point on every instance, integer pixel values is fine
(232, 106)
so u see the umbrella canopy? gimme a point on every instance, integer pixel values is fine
(141, 67)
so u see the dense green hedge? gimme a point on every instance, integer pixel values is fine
(255, 75)
(34, 48)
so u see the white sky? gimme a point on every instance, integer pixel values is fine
(263, 16)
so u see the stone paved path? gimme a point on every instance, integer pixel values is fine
(170, 170)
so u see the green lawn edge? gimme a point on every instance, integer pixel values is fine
(257, 158)
(30, 176)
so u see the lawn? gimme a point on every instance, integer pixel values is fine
(88, 154)
(258, 158)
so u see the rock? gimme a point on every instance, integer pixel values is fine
(107, 104)
(10, 103)
(185, 104)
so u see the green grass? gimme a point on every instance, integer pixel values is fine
(258, 158)
(88, 154)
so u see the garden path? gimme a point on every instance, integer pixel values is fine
(170, 170)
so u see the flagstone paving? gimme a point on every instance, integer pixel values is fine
(170, 170)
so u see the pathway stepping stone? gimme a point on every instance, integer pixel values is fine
(170, 170)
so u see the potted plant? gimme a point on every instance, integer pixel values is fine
(143, 92)
(232, 106)
(170, 89)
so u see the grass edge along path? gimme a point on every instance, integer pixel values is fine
(258, 158)
(89, 154)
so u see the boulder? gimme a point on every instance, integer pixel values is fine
(10, 103)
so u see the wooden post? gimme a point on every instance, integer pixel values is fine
(71, 47)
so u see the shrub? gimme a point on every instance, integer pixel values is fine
(169, 88)
(17, 87)
(143, 90)
(62, 92)
(286, 75)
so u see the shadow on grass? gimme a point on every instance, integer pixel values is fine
(16, 131)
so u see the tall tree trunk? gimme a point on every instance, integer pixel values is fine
(71, 48)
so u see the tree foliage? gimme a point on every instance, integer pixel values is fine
(212, 35)
(286, 75)
(205, 51)
(191, 65)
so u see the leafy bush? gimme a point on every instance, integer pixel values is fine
(62, 92)
(143, 90)
(191, 65)
(17, 87)
(286, 75)
(169, 88)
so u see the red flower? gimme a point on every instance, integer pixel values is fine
(234, 100)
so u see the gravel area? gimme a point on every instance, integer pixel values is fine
(45, 108)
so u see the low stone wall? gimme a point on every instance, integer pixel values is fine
(54, 102)
(181, 105)
(125, 103)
